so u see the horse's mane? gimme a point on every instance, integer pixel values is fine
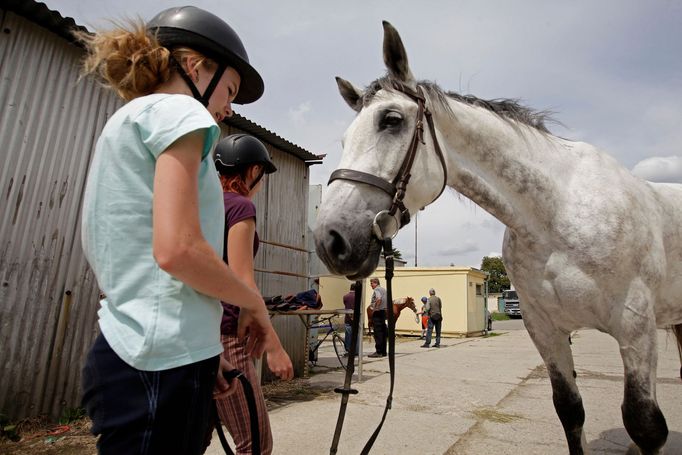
(509, 109)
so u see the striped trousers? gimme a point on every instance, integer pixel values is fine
(233, 410)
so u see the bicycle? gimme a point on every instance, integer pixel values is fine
(326, 323)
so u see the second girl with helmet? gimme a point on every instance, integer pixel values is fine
(242, 162)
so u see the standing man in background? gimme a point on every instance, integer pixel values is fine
(349, 304)
(379, 318)
(434, 308)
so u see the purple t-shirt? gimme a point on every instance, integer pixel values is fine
(349, 304)
(237, 208)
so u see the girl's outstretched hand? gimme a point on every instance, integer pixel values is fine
(279, 361)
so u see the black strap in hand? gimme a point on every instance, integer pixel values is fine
(253, 414)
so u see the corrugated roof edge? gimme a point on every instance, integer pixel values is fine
(52, 20)
(266, 135)
(42, 15)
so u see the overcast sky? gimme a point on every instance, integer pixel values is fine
(610, 70)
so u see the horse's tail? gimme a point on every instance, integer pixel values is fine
(677, 329)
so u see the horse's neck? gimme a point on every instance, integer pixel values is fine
(399, 305)
(499, 165)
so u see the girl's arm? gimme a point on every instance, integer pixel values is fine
(240, 251)
(240, 256)
(179, 246)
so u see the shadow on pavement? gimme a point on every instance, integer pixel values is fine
(610, 441)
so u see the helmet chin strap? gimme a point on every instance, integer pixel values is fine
(203, 99)
(255, 182)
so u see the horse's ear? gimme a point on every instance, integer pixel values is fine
(350, 93)
(395, 56)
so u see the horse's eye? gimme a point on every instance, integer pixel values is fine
(391, 119)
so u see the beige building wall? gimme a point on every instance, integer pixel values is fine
(492, 302)
(332, 290)
(463, 309)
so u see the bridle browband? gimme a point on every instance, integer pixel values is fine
(396, 188)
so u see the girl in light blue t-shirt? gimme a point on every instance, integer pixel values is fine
(153, 232)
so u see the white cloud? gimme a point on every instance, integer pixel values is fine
(493, 224)
(297, 114)
(660, 169)
(467, 246)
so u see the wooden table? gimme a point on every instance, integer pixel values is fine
(306, 318)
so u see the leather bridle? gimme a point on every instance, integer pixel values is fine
(397, 187)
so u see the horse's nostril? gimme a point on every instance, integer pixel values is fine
(339, 247)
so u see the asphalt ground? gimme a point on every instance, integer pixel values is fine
(472, 396)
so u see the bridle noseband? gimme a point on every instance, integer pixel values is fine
(396, 188)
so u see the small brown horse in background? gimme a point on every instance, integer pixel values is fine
(398, 306)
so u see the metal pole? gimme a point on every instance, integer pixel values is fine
(361, 335)
(416, 216)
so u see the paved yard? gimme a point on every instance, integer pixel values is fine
(483, 395)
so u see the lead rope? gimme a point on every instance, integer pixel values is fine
(253, 414)
(346, 390)
(388, 256)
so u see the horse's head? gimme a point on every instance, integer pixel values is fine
(409, 302)
(387, 144)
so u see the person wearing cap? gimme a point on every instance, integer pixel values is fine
(424, 317)
(434, 309)
(152, 232)
(243, 162)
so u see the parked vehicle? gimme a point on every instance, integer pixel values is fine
(511, 303)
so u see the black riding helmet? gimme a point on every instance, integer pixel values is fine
(240, 151)
(204, 32)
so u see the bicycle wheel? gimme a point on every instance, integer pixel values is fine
(339, 348)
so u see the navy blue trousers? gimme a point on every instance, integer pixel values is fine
(148, 412)
(380, 331)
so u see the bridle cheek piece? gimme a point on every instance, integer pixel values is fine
(387, 223)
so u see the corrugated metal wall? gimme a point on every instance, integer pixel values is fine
(49, 123)
(284, 222)
(48, 297)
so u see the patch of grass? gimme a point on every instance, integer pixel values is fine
(499, 317)
(8, 430)
(70, 415)
(491, 334)
(495, 416)
(280, 393)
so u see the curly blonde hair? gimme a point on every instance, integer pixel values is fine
(129, 60)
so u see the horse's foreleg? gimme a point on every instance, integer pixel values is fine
(642, 417)
(553, 346)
